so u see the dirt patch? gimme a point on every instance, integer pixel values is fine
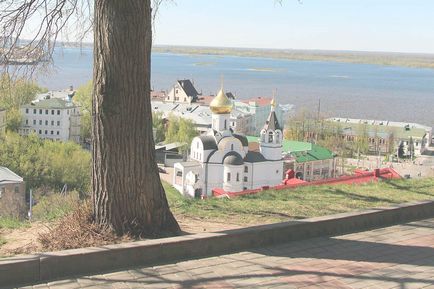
(26, 240)
(23, 240)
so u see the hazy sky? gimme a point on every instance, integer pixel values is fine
(371, 25)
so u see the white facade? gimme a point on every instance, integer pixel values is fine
(221, 159)
(54, 119)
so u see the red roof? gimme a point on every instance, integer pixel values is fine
(260, 101)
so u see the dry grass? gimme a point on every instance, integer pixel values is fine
(77, 230)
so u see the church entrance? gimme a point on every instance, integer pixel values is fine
(197, 193)
(299, 175)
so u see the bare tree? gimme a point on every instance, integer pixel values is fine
(127, 191)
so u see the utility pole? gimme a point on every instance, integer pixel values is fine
(31, 206)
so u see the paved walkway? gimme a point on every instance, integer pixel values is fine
(395, 257)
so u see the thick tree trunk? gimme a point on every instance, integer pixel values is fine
(127, 191)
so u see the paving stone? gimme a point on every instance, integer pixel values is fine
(400, 256)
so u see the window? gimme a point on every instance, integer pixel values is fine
(228, 177)
(238, 177)
(17, 189)
(52, 132)
(27, 121)
(58, 123)
(46, 131)
(277, 137)
(270, 136)
(46, 122)
(57, 132)
(34, 121)
(40, 111)
(34, 111)
(52, 112)
(232, 147)
(27, 110)
(52, 122)
(246, 169)
(225, 124)
(40, 131)
(46, 111)
(58, 112)
(245, 179)
(40, 122)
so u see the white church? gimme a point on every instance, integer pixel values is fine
(221, 158)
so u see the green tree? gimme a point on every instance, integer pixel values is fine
(180, 130)
(13, 94)
(127, 192)
(158, 125)
(83, 97)
(46, 163)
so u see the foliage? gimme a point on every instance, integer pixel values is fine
(12, 223)
(158, 125)
(304, 202)
(54, 206)
(13, 93)
(180, 130)
(46, 163)
(306, 127)
(83, 97)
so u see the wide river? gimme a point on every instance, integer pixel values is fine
(345, 89)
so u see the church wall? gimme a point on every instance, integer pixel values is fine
(235, 183)
(215, 177)
(267, 174)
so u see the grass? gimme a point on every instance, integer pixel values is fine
(275, 206)
(12, 223)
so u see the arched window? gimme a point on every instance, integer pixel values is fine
(270, 136)
(238, 177)
(232, 147)
(225, 124)
(263, 137)
(277, 137)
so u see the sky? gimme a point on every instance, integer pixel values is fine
(363, 25)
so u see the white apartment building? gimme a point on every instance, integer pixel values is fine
(53, 118)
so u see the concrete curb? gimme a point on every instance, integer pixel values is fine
(54, 265)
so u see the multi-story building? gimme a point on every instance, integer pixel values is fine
(387, 136)
(200, 115)
(12, 194)
(2, 121)
(260, 108)
(53, 118)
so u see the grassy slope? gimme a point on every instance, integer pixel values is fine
(275, 206)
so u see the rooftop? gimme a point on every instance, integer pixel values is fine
(7, 176)
(383, 128)
(302, 151)
(53, 103)
(258, 101)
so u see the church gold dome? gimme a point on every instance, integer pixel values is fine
(221, 104)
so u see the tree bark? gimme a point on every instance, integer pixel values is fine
(127, 191)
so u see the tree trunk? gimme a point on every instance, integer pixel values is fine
(127, 191)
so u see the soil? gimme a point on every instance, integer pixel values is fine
(25, 240)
